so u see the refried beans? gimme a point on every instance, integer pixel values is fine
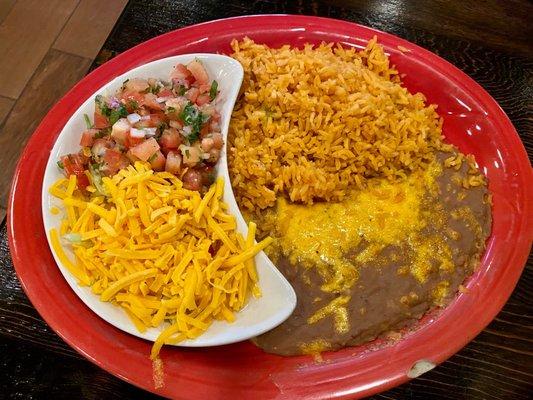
(380, 258)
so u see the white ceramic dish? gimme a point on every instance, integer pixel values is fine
(259, 315)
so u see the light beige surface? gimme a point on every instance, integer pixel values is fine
(89, 26)
(26, 34)
(5, 8)
(5, 107)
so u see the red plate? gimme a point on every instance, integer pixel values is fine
(473, 121)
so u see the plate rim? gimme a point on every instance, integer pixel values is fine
(439, 63)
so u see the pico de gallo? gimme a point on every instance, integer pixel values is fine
(172, 125)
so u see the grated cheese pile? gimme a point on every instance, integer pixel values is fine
(159, 251)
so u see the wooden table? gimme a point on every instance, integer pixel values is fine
(489, 40)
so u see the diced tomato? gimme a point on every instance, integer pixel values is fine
(137, 85)
(176, 124)
(150, 101)
(158, 161)
(216, 116)
(173, 164)
(156, 119)
(114, 161)
(131, 157)
(206, 144)
(218, 141)
(77, 160)
(181, 73)
(192, 94)
(146, 149)
(165, 93)
(204, 131)
(120, 130)
(131, 98)
(132, 141)
(112, 157)
(170, 139)
(87, 137)
(100, 121)
(199, 72)
(100, 146)
(192, 180)
(74, 164)
(208, 175)
(203, 99)
(132, 95)
(205, 88)
(151, 120)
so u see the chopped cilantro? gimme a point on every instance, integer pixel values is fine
(170, 110)
(101, 133)
(211, 178)
(193, 137)
(160, 128)
(213, 91)
(117, 113)
(101, 104)
(87, 121)
(133, 105)
(60, 165)
(155, 89)
(114, 114)
(189, 114)
(192, 117)
(99, 100)
(181, 90)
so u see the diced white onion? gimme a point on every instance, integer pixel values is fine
(122, 123)
(120, 128)
(175, 103)
(187, 130)
(133, 118)
(137, 133)
(143, 132)
(206, 156)
(150, 131)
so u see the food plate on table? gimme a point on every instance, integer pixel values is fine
(472, 121)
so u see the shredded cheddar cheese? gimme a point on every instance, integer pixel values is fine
(163, 253)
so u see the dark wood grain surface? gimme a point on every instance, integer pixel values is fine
(489, 40)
